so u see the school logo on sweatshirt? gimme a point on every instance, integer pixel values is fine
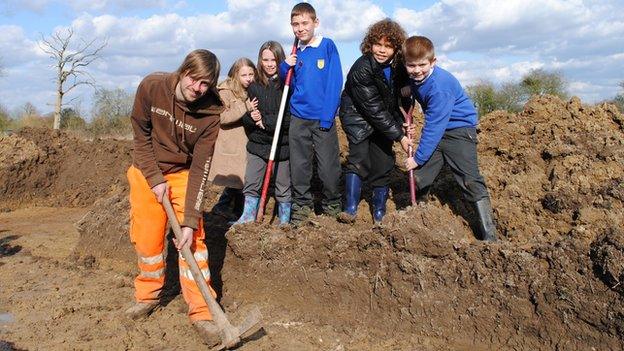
(320, 63)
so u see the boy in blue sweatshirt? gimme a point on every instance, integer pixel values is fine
(449, 134)
(316, 86)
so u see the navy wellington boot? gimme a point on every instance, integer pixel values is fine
(380, 196)
(353, 191)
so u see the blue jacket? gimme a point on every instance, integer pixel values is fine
(316, 83)
(445, 105)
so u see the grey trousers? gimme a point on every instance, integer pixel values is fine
(254, 176)
(306, 141)
(458, 148)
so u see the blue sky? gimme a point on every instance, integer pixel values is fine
(477, 40)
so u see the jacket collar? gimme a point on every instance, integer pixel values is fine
(314, 43)
(421, 82)
(376, 66)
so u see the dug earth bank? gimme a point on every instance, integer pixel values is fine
(421, 282)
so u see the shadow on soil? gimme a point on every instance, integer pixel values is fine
(8, 346)
(6, 249)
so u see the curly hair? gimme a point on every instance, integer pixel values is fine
(386, 28)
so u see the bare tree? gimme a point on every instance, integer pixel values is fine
(70, 62)
(29, 110)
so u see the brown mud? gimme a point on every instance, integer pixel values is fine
(47, 168)
(421, 282)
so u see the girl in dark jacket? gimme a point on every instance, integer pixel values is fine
(260, 125)
(370, 116)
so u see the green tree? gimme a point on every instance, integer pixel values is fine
(487, 97)
(111, 112)
(5, 119)
(483, 94)
(618, 100)
(71, 119)
(510, 97)
(540, 82)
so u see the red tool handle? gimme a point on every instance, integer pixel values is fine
(410, 178)
(265, 190)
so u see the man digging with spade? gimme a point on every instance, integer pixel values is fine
(175, 120)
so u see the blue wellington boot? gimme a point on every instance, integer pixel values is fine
(250, 210)
(283, 212)
(353, 190)
(380, 195)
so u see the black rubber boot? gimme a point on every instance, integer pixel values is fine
(486, 227)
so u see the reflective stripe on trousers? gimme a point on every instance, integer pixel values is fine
(186, 273)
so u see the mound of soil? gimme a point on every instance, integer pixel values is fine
(555, 173)
(50, 168)
(104, 230)
(556, 167)
(607, 254)
(422, 278)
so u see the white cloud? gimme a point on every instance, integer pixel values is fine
(11, 7)
(505, 39)
(347, 20)
(114, 5)
(557, 27)
(160, 41)
(23, 84)
(15, 47)
(494, 70)
(139, 45)
(476, 40)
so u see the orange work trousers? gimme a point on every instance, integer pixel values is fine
(148, 225)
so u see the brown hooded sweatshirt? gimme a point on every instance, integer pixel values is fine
(170, 136)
